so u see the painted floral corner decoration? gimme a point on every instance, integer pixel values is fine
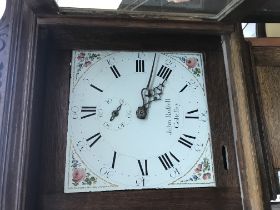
(79, 174)
(84, 60)
(192, 64)
(202, 171)
(78, 177)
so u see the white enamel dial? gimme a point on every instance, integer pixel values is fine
(132, 153)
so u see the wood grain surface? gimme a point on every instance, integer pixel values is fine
(264, 155)
(197, 199)
(24, 146)
(177, 39)
(86, 20)
(266, 56)
(55, 128)
(269, 80)
(245, 143)
(20, 130)
(264, 42)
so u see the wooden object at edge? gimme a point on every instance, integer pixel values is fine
(247, 154)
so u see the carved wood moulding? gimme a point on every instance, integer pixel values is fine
(4, 52)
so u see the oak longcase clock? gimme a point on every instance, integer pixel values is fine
(143, 121)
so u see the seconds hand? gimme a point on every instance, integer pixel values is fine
(115, 113)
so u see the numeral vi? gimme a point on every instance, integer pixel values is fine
(143, 168)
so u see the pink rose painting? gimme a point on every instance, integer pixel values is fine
(87, 63)
(78, 175)
(202, 171)
(206, 176)
(191, 62)
(84, 60)
(81, 56)
(198, 168)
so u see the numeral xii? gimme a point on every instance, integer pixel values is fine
(140, 66)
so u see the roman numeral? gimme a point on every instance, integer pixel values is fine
(115, 71)
(164, 72)
(186, 142)
(192, 117)
(166, 160)
(90, 110)
(140, 66)
(94, 138)
(96, 88)
(114, 159)
(144, 170)
(183, 88)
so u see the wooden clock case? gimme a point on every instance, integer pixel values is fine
(37, 51)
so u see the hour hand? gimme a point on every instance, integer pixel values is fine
(142, 111)
(148, 96)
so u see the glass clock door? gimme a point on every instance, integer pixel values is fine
(208, 9)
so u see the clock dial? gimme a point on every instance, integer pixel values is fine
(111, 147)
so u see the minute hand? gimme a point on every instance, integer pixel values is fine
(147, 96)
(151, 74)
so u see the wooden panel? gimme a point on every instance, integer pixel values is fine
(43, 6)
(264, 42)
(269, 80)
(55, 128)
(208, 27)
(251, 180)
(132, 39)
(148, 200)
(267, 172)
(5, 41)
(266, 68)
(266, 56)
(20, 130)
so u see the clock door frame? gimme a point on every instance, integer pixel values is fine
(25, 36)
(56, 109)
(244, 10)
